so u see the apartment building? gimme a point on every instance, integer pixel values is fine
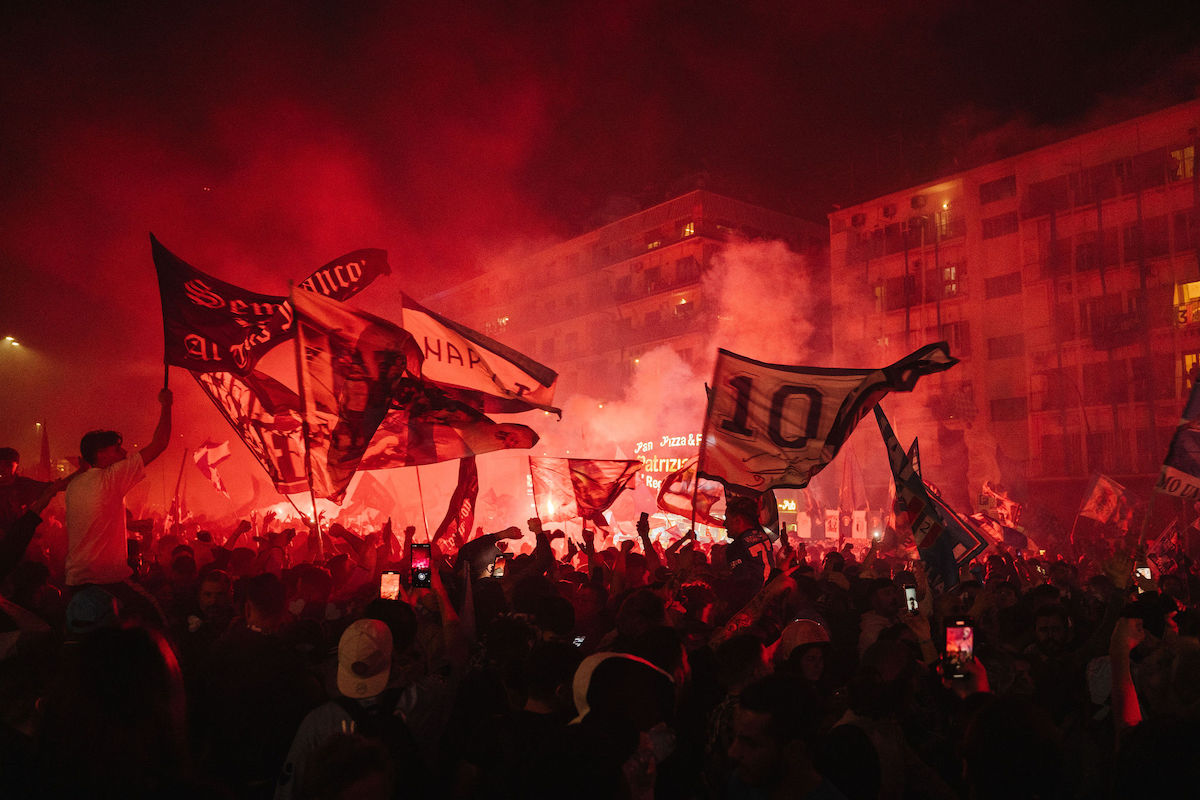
(590, 306)
(1066, 280)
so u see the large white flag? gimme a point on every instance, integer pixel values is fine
(772, 425)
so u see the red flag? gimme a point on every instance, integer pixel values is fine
(368, 372)
(372, 494)
(460, 513)
(206, 457)
(678, 489)
(1107, 501)
(852, 495)
(565, 488)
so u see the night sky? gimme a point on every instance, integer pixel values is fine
(258, 143)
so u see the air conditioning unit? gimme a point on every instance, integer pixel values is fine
(858, 220)
(889, 210)
(918, 201)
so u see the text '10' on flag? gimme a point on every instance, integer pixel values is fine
(772, 425)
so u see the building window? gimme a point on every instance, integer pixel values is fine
(999, 189)
(1009, 346)
(1009, 409)
(688, 229)
(900, 292)
(1105, 382)
(1061, 454)
(687, 269)
(1102, 451)
(1097, 313)
(1001, 225)
(1055, 389)
(1182, 163)
(1002, 285)
(653, 279)
(943, 283)
(958, 336)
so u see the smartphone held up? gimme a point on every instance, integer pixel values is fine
(422, 566)
(960, 647)
(389, 585)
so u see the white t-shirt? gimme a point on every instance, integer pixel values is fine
(96, 534)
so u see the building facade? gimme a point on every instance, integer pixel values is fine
(1065, 279)
(590, 306)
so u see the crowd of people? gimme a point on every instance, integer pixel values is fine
(255, 660)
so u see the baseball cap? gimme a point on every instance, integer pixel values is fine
(797, 634)
(364, 659)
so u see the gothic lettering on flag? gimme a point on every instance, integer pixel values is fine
(566, 488)
(772, 425)
(1180, 475)
(279, 448)
(213, 326)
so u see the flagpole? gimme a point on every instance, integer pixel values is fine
(695, 490)
(304, 430)
(179, 483)
(421, 498)
(1146, 519)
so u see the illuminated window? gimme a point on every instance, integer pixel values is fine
(1189, 292)
(1182, 163)
(689, 229)
(950, 275)
(942, 220)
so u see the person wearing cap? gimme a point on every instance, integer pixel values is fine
(365, 707)
(802, 639)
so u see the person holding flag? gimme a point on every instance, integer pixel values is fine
(97, 553)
